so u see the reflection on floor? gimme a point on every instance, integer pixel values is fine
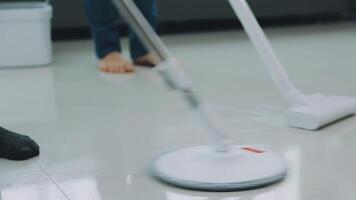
(99, 132)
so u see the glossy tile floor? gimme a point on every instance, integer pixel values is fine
(99, 132)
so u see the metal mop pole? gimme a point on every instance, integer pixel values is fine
(172, 72)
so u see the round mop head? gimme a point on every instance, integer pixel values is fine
(202, 168)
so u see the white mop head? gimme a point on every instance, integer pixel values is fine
(320, 111)
(202, 168)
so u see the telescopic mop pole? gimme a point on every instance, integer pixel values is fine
(171, 70)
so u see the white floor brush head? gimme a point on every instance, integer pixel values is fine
(202, 168)
(321, 111)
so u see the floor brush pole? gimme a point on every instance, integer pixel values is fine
(264, 48)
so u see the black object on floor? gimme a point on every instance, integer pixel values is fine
(14, 146)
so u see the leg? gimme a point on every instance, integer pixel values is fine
(103, 19)
(139, 53)
(14, 146)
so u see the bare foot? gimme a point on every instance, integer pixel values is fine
(148, 60)
(115, 63)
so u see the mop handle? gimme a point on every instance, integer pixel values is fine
(170, 69)
(142, 28)
(264, 48)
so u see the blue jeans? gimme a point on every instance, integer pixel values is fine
(103, 18)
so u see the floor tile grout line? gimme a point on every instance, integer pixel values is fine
(53, 181)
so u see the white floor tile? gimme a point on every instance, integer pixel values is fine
(98, 133)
